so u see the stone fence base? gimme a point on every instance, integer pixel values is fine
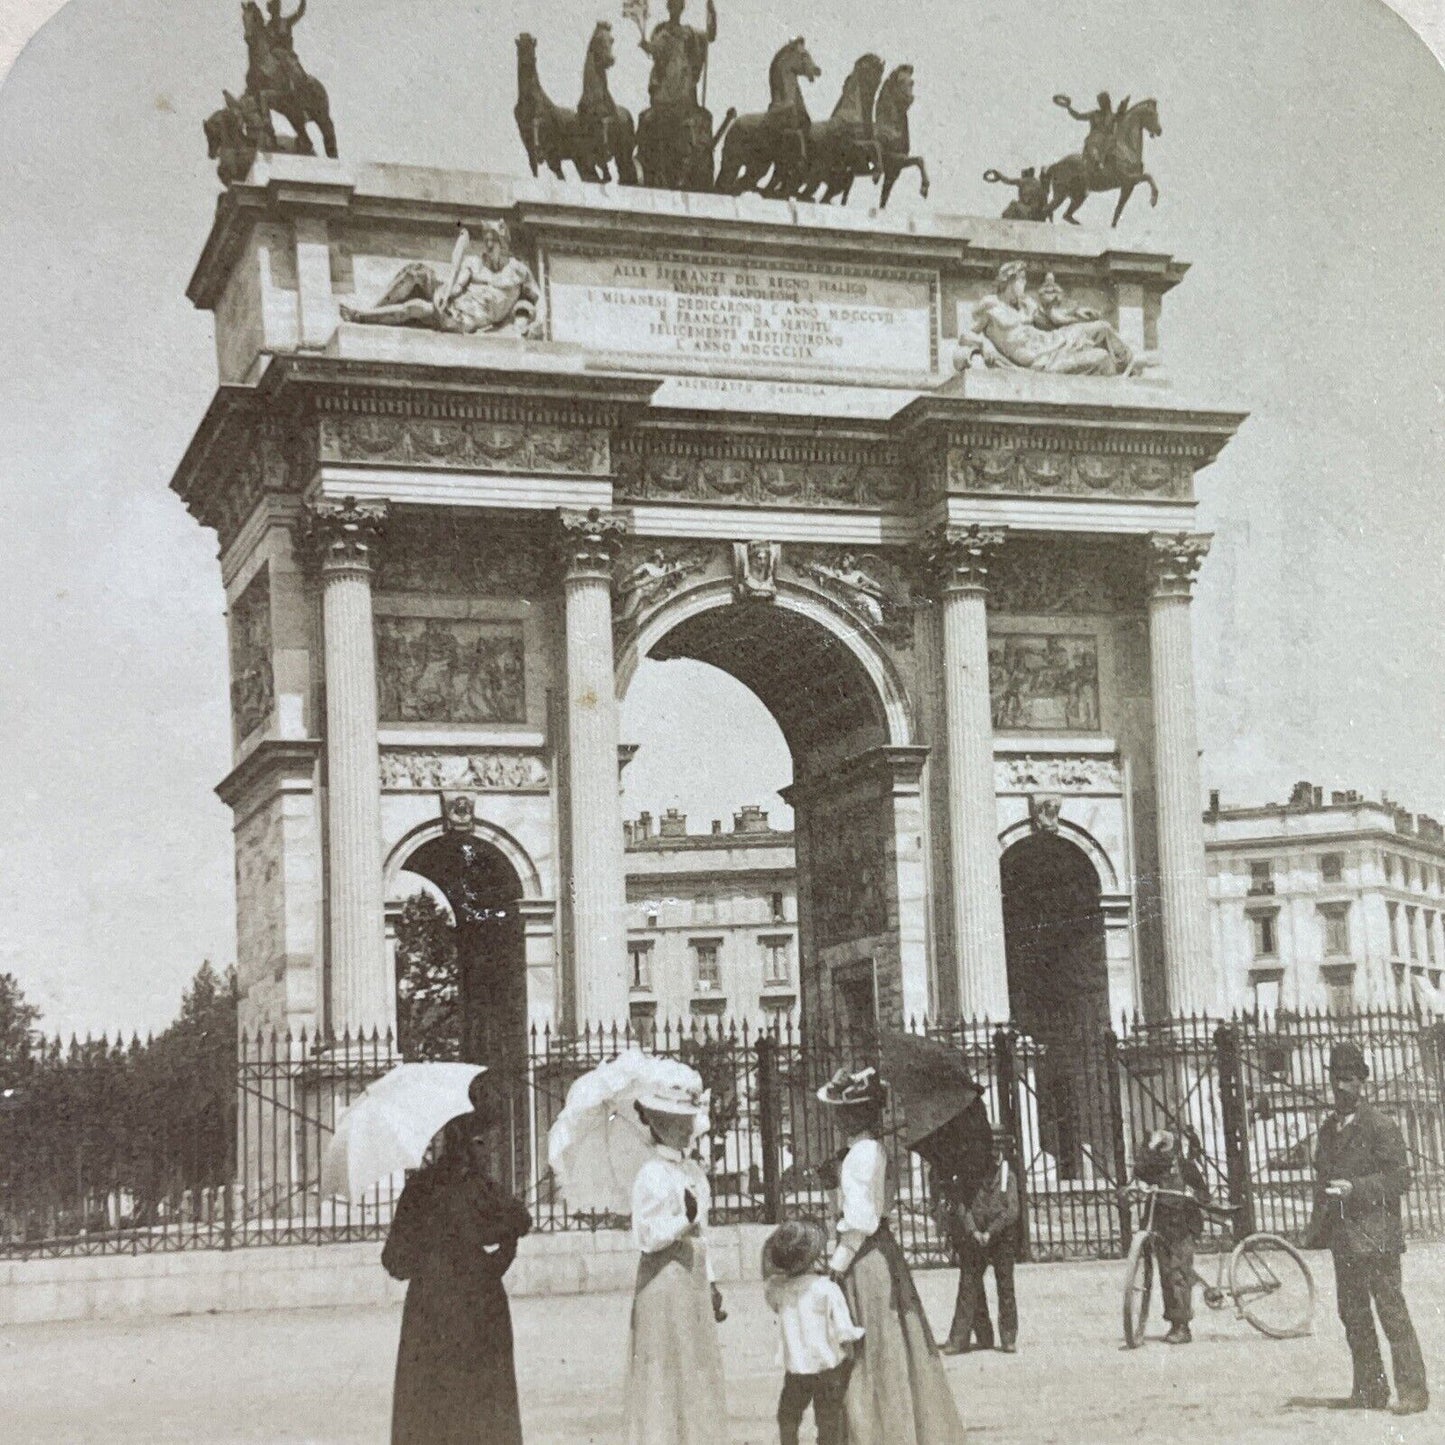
(279, 1277)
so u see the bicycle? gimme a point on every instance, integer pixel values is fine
(1269, 1283)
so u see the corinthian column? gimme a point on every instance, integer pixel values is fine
(959, 561)
(588, 543)
(1189, 968)
(343, 539)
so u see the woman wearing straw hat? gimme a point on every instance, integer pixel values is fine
(897, 1393)
(675, 1378)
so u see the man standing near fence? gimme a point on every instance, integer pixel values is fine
(1361, 1172)
(984, 1231)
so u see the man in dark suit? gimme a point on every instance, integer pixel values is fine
(1361, 1171)
(984, 1229)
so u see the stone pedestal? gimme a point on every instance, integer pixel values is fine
(960, 559)
(343, 538)
(1189, 967)
(588, 543)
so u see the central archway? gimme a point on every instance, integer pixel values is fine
(843, 712)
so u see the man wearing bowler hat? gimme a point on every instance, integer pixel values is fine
(1361, 1171)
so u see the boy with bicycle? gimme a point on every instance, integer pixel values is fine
(1163, 1164)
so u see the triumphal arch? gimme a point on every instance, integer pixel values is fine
(922, 484)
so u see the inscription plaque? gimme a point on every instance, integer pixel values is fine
(738, 315)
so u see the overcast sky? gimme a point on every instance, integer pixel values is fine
(1300, 168)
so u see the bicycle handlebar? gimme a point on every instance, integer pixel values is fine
(1221, 1211)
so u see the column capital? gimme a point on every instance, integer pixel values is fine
(958, 559)
(1174, 559)
(343, 536)
(588, 542)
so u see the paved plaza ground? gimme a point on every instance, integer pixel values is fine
(325, 1375)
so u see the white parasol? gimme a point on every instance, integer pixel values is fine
(597, 1143)
(388, 1129)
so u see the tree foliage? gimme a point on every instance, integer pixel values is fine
(18, 1038)
(428, 998)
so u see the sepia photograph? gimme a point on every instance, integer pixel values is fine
(723, 724)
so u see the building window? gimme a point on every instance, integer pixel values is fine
(1337, 931)
(705, 907)
(1266, 995)
(639, 957)
(1261, 876)
(652, 918)
(1340, 995)
(1266, 940)
(1332, 867)
(1389, 867)
(779, 916)
(1413, 937)
(1393, 909)
(706, 964)
(1430, 935)
(776, 964)
(1404, 872)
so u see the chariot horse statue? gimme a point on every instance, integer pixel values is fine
(843, 147)
(1112, 158)
(890, 128)
(773, 142)
(279, 82)
(594, 137)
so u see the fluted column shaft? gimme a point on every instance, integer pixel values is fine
(1188, 960)
(344, 538)
(598, 881)
(960, 561)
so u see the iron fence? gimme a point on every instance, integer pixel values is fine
(86, 1168)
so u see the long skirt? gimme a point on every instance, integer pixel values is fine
(674, 1374)
(897, 1392)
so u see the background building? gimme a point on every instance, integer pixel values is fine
(712, 919)
(1326, 905)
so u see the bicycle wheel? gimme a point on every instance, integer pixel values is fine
(1138, 1282)
(1272, 1286)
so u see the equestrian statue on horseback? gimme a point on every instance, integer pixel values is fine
(1112, 158)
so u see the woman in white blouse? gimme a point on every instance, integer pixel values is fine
(675, 1378)
(897, 1393)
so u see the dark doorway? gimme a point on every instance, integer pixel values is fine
(1059, 995)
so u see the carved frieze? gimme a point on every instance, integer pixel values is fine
(1058, 773)
(873, 587)
(1046, 684)
(421, 770)
(449, 670)
(644, 474)
(442, 555)
(465, 444)
(1013, 468)
(252, 683)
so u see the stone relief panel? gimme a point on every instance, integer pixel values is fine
(1009, 467)
(253, 687)
(440, 555)
(465, 444)
(449, 670)
(1058, 773)
(847, 867)
(874, 588)
(1030, 577)
(649, 572)
(748, 481)
(260, 898)
(421, 770)
(1044, 683)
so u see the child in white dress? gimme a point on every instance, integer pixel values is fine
(817, 1331)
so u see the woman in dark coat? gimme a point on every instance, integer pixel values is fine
(453, 1237)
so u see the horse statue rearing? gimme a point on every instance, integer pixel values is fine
(843, 147)
(1074, 178)
(891, 129)
(774, 140)
(276, 78)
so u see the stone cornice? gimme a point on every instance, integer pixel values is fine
(899, 767)
(274, 761)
